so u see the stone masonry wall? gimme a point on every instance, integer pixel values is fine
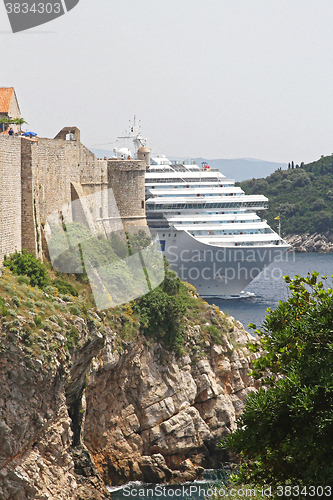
(10, 195)
(59, 163)
(50, 167)
(45, 176)
(31, 236)
(127, 179)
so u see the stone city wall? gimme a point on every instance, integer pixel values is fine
(10, 195)
(46, 176)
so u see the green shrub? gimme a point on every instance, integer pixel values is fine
(65, 288)
(26, 264)
(72, 338)
(38, 320)
(216, 335)
(30, 304)
(51, 290)
(16, 301)
(3, 309)
(161, 312)
(75, 311)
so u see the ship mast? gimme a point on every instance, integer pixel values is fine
(135, 135)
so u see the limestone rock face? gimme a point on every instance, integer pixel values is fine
(322, 243)
(116, 411)
(37, 460)
(144, 403)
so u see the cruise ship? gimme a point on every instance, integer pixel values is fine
(207, 227)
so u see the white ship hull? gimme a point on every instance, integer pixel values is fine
(217, 271)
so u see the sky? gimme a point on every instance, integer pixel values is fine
(208, 78)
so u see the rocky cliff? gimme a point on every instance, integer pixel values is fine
(81, 407)
(150, 416)
(322, 243)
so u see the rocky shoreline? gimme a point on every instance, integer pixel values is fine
(321, 243)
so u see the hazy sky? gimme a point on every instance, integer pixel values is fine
(211, 78)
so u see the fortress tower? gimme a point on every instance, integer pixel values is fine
(127, 180)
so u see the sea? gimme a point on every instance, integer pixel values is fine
(266, 290)
(269, 287)
(212, 484)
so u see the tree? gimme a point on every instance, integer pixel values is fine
(10, 121)
(285, 434)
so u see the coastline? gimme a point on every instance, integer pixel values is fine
(310, 243)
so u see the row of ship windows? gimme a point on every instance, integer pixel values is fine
(191, 195)
(192, 186)
(184, 206)
(164, 223)
(174, 180)
(239, 243)
(218, 222)
(203, 232)
(250, 243)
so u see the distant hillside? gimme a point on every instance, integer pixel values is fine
(238, 169)
(303, 196)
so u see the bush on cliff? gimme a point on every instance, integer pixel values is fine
(65, 288)
(161, 312)
(285, 434)
(26, 264)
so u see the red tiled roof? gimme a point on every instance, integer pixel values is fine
(6, 94)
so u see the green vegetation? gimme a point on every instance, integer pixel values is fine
(39, 308)
(7, 121)
(166, 312)
(302, 195)
(285, 435)
(26, 264)
(161, 312)
(65, 288)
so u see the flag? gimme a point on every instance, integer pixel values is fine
(277, 218)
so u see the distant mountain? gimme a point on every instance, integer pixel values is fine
(239, 169)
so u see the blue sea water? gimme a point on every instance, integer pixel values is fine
(269, 286)
(212, 482)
